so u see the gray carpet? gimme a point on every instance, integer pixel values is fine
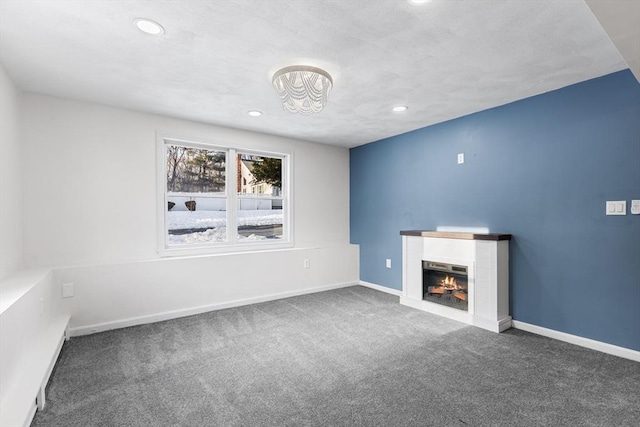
(349, 357)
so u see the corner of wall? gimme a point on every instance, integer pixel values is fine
(10, 189)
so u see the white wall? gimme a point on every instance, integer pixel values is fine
(10, 183)
(117, 295)
(89, 178)
(89, 211)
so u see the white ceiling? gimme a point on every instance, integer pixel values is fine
(443, 59)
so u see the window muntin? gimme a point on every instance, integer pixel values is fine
(211, 203)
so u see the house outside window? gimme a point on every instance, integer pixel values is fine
(221, 198)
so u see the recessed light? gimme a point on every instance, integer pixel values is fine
(148, 26)
(255, 113)
(400, 108)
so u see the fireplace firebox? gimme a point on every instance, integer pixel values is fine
(445, 284)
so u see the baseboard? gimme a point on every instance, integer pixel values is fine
(174, 314)
(580, 341)
(381, 288)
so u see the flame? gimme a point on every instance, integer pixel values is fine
(450, 283)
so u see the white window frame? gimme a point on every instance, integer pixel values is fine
(232, 244)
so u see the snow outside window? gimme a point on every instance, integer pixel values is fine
(220, 198)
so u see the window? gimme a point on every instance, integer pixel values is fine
(221, 198)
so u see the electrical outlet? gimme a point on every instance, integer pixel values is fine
(635, 207)
(306, 263)
(67, 290)
(388, 263)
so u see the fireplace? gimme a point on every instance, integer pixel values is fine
(462, 275)
(445, 284)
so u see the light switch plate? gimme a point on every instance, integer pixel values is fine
(635, 207)
(616, 207)
(460, 158)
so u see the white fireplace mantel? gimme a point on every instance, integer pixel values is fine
(486, 257)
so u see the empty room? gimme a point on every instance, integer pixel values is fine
(319, 213)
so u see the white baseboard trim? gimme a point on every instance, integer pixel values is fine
(381, 288)
(174, 314)
(582, 342)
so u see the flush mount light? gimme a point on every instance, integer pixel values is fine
(148, 26)
(302, 89)
(255, 113)
(400, 108)
(418, 1)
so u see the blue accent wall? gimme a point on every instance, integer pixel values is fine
(540, 169)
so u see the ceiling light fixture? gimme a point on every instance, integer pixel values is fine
(302, 89)
(400, 108)
(418, 1)
(148, 26)
(255, 113)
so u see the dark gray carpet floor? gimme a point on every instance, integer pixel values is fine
(348, 357)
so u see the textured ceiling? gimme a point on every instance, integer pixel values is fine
(443, 59)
